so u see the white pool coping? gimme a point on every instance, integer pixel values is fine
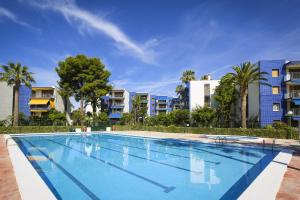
(31, 186)
(265, 186)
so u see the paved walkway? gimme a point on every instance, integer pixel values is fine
(8, 185)
(290, 186)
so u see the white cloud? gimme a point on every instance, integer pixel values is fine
(11, 16)
(89, 21)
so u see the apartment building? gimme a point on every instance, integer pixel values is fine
(43, 99)
(160, 104)
(118, 103)
(201, 93)
(145, 100)
(7, 100)
(281, 99)
(176, 104)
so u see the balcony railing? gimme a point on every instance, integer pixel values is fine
(40, 107)
(292, 94)
(117, 104)
(292, 76)
(161, 108)
(46, 96)
(296, 111)
(116, 96)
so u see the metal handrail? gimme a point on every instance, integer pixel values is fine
(295, 75)
(296, 111)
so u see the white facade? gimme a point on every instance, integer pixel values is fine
(89, 108)
(126, 101)
(197, 93)
(119, 101)
(6, 100)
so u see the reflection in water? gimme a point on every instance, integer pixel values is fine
(148, 150)
(125, 156)
(207, 175)
(88, 148)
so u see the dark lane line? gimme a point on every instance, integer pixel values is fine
(143, 158)
(199, 149)
(68, 174)
(176, 155)
(38, 168)
(166, 189)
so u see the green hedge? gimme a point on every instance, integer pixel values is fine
(34, 129)
(43, 129)
(267, 133)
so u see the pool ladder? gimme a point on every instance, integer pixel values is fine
(273, 144)
(220, 140)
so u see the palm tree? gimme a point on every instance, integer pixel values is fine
(182, 89)
(15, 75)
(187, 76)
(243, 75)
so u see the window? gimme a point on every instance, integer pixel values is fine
(275, 72)
(206, 100)
(206, 89)
(275, 90)
(276, 107)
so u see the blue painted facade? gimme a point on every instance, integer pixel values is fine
(288, 97)
(152, 105)
(24, 98)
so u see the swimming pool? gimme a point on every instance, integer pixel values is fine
(112, 166)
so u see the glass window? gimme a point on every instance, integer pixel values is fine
(276, 107)
(275, 72)
(275, 90)
(206, 100)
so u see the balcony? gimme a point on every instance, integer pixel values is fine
(296, 112)
(39, 108)
(293, 94)
(161, 102)
(293, 77)
(117, 105)
(44, 96)
(116, 96)
(161, 108)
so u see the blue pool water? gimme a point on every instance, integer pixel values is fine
(112, 166)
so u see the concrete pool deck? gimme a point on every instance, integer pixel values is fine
(289, 189)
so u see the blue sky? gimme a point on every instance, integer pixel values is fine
(147, 44)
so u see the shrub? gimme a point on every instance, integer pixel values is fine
(35, 129)
(279, 125)
(263, 132)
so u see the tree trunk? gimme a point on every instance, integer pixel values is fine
(244, 108)
(16, 107)
(94, 105)
(81, 111)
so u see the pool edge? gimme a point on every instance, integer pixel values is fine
(267, 184)
(30, 184)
